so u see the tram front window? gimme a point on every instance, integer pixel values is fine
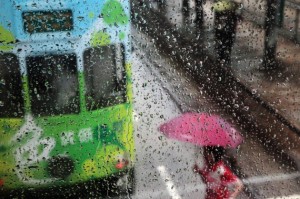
(104, 76)
(53, 84)
(11, 98)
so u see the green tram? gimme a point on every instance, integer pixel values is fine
(66, 97)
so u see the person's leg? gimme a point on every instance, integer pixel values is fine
(220, 45)
(199, 14)
(229, 37)
(185, 11)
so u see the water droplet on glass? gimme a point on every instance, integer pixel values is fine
(80, 18)
(241, 6)
(2, 82)
(246, 108)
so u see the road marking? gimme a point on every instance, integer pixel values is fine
(271, 178)
(200, 188)
(135, 116)
(295, 196)
(169, 183)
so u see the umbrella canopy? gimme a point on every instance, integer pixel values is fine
(202, 129)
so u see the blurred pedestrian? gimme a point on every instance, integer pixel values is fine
(199, 18)
(221, 182)
(225, 23)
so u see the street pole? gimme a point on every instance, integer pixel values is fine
(199, 15)
(185, 12)
(272, 22)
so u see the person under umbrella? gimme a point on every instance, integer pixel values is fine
(221, 182)
(216, 135)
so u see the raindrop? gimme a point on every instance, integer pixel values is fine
(2, 82)
(254, 91)
(246, 108)
(241, 6)
(80, 18)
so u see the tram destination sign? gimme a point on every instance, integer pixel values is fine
(47, 21)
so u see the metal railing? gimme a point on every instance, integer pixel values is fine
(295, 5)
(292, 32)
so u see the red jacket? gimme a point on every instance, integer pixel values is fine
(218, 178)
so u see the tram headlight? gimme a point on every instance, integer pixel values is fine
(1, 182)
(122, 161)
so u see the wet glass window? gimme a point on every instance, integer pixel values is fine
(183, 99)
(53, 84)
(11, 98)
(104, 76)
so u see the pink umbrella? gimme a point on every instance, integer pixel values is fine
(202, 129)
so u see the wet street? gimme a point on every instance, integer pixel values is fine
(163, 167)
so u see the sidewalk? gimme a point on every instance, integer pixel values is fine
(279, 88)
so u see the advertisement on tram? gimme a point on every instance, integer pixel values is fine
(66, 93)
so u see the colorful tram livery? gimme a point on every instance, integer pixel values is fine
(66, 99)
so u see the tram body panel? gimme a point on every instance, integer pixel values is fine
(66, 92)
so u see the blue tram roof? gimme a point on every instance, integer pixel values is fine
(85, 13)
